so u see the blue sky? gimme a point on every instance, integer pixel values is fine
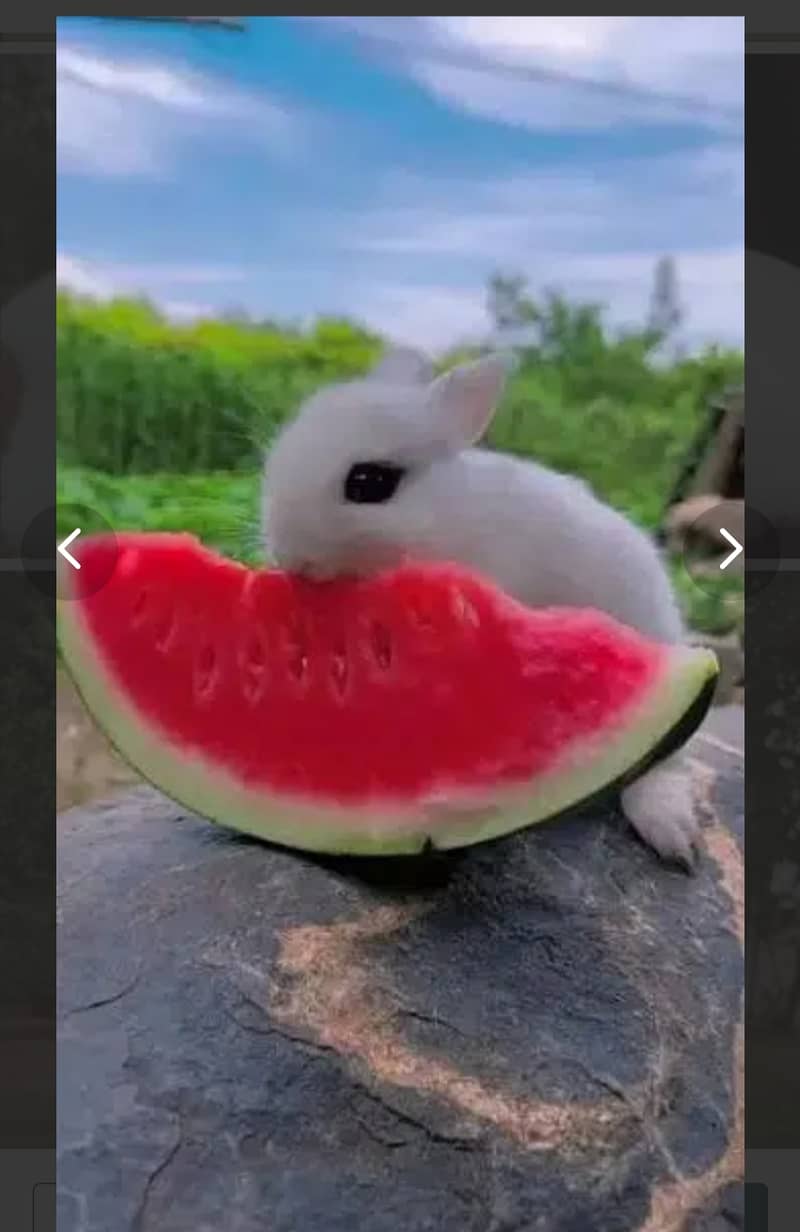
(383, 168)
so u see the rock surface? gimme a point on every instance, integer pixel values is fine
(540, 1035)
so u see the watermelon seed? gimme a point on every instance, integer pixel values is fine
(255, 653)
(139, 609)
(254, 663)
(339, 671)
(165, 631)
(248, 586)
(298, 655)
(206, 672)
(422, 621)
(253, 689)
(381, 646)
(463, 610)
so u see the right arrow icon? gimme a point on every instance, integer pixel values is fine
(737, 548)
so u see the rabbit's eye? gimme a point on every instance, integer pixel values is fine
(371, 483)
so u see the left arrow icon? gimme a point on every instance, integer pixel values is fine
(62, 548)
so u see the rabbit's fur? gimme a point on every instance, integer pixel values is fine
(542, 536)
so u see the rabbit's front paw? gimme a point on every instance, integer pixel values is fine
(661, 808)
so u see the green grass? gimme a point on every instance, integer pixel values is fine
(138, 395)
(220, 508)
(162, 427)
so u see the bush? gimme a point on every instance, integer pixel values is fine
(163, 426)
(137, 394)
(221, 508)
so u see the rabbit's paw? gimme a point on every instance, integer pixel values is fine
(661, 808)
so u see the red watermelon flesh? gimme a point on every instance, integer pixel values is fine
(418, 706)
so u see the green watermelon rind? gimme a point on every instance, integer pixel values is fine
(681, 695)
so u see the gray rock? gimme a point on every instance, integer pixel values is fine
(538, 1035)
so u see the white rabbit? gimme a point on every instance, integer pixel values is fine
(375, 470)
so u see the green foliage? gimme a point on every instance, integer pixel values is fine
(163, 426)
(138, 394)
(600, 405)
(715, 606)
(220, 508)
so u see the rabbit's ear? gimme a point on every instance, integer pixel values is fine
(403, 366)
(463, 400)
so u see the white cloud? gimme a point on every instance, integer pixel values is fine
(102, 136)
(488, 66)
(702, 57)
(426, 315)
(413, 259)
(155, 83)
(130, 117)
(668, 200)
(435, 316)
(711, 285)
(595, 233)
(184, 311)
(83, 277)
(419, 253)
(164, 283)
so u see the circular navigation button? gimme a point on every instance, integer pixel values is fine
(52, 566)
(711, 537)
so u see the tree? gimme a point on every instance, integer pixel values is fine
(666, 313)
(234, 314)
(508, 304)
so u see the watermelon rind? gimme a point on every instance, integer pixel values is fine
(664, 719)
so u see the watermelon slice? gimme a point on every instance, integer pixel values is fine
(418, 707)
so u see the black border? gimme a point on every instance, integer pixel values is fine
(772, 273)
(27, 626)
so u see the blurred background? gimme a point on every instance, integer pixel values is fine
(251, 207)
